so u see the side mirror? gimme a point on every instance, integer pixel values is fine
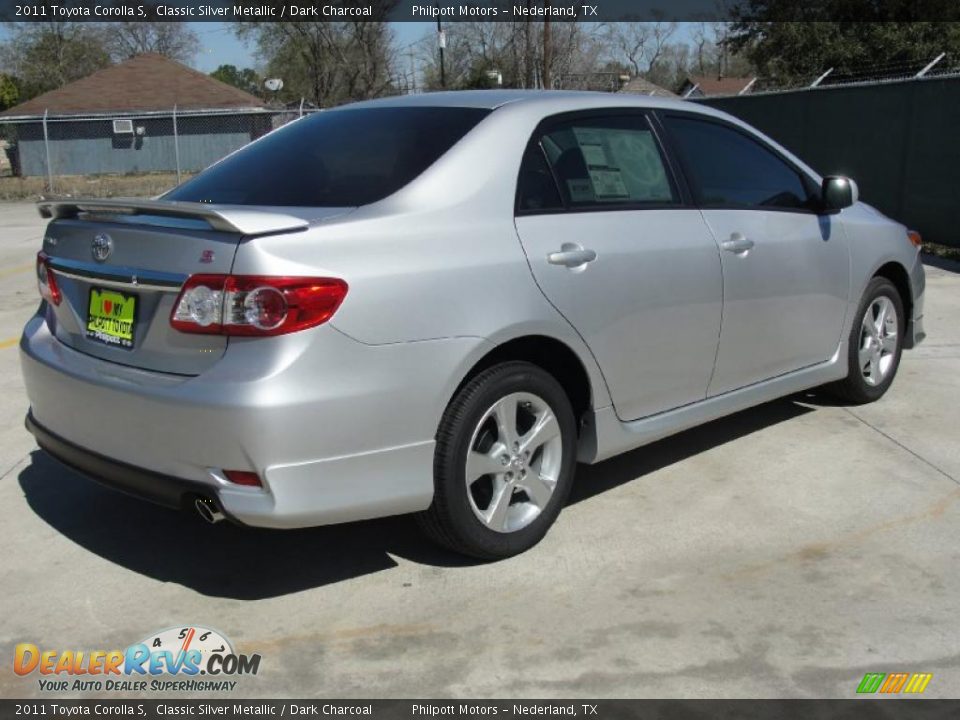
(839, 192)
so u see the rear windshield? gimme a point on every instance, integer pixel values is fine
(339, 158)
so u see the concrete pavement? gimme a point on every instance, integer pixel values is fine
(782, 552)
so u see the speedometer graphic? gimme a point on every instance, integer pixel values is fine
(184, 639)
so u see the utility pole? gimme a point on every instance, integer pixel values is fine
(547, 79)
(442, 42)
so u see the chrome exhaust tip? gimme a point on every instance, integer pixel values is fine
(208, 510)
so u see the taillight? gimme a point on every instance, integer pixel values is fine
(46, 281)
(255, 304)
(914, 237)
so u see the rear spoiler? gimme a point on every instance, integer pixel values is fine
(219, 217)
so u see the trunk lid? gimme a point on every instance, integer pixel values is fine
(120, 265)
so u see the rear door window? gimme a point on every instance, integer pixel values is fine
(338, 158)
(606, 162)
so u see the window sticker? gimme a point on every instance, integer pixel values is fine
(608, 184)
(644, 173)
(594, 155)
(607, 165)
(605, 175)
(581, 190)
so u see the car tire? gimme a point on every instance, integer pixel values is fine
(503, 464)
(875, 344)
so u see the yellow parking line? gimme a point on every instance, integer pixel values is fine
(9, 342)
(16, 269)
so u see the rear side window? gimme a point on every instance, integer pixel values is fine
(607, 162)
(727, 168)
(536, 189)
(339, 158)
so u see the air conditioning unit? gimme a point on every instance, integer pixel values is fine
(123, 127)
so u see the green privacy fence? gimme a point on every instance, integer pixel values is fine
(899, 140)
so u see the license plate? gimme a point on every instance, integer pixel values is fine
(112, 317)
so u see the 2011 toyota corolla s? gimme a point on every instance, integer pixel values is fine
(438, 304)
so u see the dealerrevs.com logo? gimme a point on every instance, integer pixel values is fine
(186, 659)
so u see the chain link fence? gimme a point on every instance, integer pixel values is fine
(943, 65)
(595, 81)
(124, 153)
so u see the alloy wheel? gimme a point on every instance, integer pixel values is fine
(513, 462)
(878, 340)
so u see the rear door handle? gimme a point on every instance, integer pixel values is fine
(571, 255)
(737, 243)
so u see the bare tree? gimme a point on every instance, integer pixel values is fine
(577, 55)
(713, 53)
(525, 59)
(661, 34)
(639, 44)
(520, 52)
(673, 66)
(327, 62)
(547, 49)
(703, 46)
(473, 49)
(175, 40)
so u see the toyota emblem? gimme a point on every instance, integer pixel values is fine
(102, 247)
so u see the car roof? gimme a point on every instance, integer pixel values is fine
(492, 99)
(534, 105)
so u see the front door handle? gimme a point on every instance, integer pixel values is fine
(737, 243)
(571, 255)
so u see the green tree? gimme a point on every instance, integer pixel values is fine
(9, 92)
(48, 55)
(861, 36)
(246, 79)
(176, 40)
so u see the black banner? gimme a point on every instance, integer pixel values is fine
(508, 709)
(465, 10)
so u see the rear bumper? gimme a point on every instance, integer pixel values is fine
(145, 484)
(337, 430)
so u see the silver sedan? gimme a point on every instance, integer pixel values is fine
(439, 304)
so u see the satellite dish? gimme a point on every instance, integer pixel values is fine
(273, 84)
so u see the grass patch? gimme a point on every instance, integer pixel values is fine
(941, 251)
(98, 186)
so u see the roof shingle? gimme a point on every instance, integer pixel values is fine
(642, 86)
(142, 83)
